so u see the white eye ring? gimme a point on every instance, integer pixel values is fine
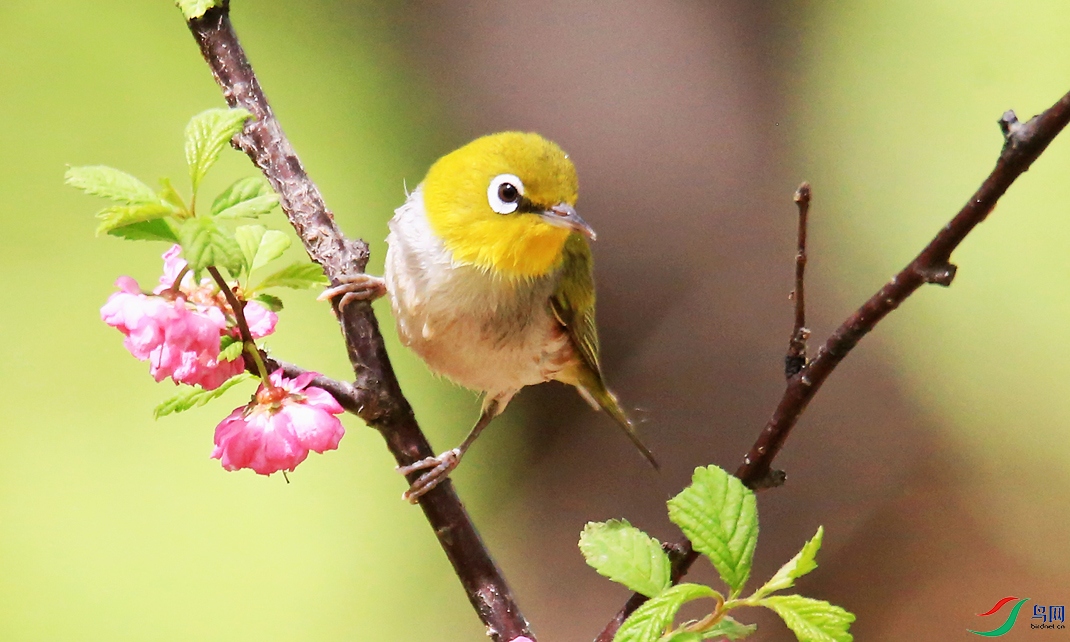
(499, 201)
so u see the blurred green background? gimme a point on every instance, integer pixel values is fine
(936, 457)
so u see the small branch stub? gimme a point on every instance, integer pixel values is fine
(795, 360)
(939, 274)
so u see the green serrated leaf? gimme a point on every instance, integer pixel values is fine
(627, 555)
(124, 215)
(196, 8)
(260, 246)
(803, 562)
(241, 190)
(651, 620)
(729, 628)
(101, 180)
(272, 303)
(812, 620)
(170, 195)
(160, 229)
(206, 135)
(251, 208)
(720, 517)
(204, 243)
(272, 246)
(296, 275)
(197, 396)
(231, 351)
(248, 238)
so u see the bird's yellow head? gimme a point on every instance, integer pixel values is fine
(505, 204)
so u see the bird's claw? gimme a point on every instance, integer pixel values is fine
(355, 287)
(438, 470)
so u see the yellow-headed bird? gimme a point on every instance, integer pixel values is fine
(490, 278)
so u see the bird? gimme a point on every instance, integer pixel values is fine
(490, 279)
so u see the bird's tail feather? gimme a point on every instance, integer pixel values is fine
(600, 397)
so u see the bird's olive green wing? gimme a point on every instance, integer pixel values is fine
(573, 305)
(573, 302)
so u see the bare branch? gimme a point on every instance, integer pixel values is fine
(375, 394)
(1023, 143)
(795, 360)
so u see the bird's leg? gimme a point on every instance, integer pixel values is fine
(355, 287)
(439, 468)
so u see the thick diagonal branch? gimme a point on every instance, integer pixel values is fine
(375, 394)
(1023, 143)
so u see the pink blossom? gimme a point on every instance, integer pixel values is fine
(178, 331)
(261, 320)
(279, 427)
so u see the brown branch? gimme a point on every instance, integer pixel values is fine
(375, 395)
(1023, 143)
(795, 360)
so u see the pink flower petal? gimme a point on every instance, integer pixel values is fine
(261, 320)
(316, 429)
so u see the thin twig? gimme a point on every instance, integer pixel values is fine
(248, 344)
(1023, 143)
(795, 360)
(376, 395)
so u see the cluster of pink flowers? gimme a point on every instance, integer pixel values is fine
(279, 427)
(178, 329)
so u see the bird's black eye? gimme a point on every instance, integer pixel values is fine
(508, 193)
(505, 193)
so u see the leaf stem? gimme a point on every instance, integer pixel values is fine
(711, 620)
(172, 291)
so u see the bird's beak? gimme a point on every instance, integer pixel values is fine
(564, 215)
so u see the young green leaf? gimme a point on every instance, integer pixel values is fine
(206, 135)
(248, 238)
(260, 246)
(101, 180)
(681, 636)
(650, 621)
(195, 396)
(803, 562)
(812, 620)
(156, 230)
(729, 628)
(725, 628)
(272, 303)
(251, 208)
(627, 555)
(297, 276)
(241, 191)
(232, 350)
(720, 517)
(123, 215)
(205, 244)
(196, 8)
(170, 195)
(271, 247)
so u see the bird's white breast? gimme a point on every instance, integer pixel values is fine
(484, 332)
